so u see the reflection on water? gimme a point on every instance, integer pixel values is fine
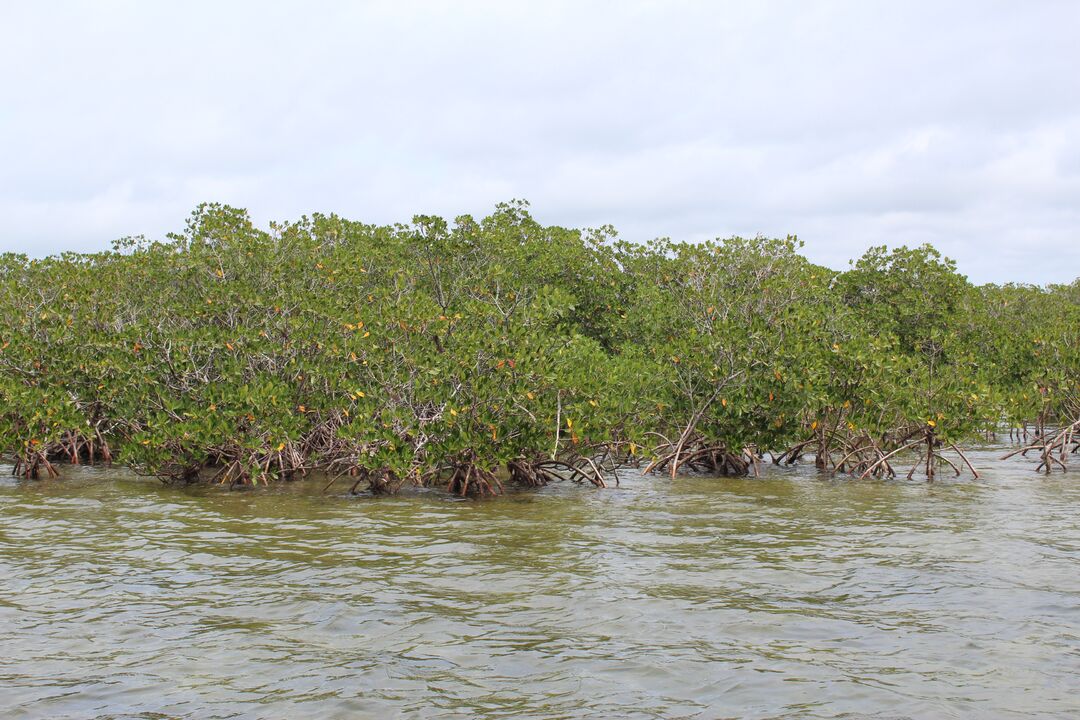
(787, 596)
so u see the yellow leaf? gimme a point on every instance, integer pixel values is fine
(365, 334)
(569, 423)
(931, 423)
(530, 396)
(723, 401)
(360, 393)
(213, 407)
(280, 447)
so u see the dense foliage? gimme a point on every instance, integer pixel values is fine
(472, 353)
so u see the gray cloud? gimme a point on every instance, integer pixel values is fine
(846, 123)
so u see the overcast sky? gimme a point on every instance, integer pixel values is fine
(847, 123)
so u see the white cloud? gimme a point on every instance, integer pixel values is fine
(849, 124)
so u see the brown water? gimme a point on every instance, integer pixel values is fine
(786, 596)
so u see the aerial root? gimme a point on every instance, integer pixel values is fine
(464, 477)
(700, 456)
(30, 466)
(792, 454)
(468, 479)
(78, 448)
(930, 454)
(538, 473)
(1053, 449)
(531, 474)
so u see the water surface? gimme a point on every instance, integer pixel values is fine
(790, 595)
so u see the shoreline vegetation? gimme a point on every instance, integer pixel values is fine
(474, 353)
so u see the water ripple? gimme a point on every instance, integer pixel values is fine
(785, 596)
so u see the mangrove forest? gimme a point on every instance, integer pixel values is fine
(476, 354)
